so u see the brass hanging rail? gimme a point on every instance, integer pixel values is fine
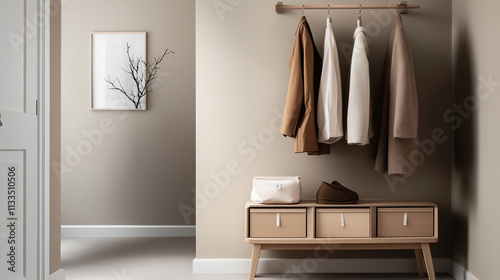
(402, 7)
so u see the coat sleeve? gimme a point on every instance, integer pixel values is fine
(403, 87)
(295, 95)
(359, 111)
(322, 110)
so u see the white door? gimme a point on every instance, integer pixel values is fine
(22, 245)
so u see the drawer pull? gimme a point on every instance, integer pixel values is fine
(342, 221)
(278, 222)
(405, 219)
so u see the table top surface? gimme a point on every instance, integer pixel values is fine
(311, 202)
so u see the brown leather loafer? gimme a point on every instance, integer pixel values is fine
(335, 193)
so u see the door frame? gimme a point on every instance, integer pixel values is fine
(44, 141)
(36, 29)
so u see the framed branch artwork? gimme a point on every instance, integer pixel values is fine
(119, 71)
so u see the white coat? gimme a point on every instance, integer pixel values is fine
(359, 127)
(329, 108)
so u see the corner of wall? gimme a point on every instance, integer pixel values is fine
(475, 152)
(58, 275)
(460, 273)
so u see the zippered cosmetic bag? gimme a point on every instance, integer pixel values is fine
(276, 190)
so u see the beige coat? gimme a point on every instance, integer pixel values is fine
(397, 152)
(299, 118)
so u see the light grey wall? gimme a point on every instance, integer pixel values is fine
(141, 171)
(242, 52)
(476, 167)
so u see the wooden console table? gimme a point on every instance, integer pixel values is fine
(365, 225)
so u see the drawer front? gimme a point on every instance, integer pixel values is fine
(342, 223)
(405, 222)
(275, 222)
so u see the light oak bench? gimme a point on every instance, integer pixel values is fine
(365, 225)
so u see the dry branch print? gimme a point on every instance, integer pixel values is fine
(141, 73)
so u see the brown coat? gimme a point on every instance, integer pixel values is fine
(397, 152)
(299, 118)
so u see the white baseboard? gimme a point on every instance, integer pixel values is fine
(58, 275)
(460, 273)
(127, 231)
(311, 265)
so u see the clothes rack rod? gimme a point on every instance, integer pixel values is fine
(403, 7)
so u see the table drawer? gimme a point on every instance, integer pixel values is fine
(341, 222)
(277, 222)
(405, 222)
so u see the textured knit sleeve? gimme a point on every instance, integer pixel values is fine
(403, 87)
(359, 129)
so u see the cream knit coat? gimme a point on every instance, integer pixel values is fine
(359, 127)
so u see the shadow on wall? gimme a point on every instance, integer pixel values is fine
(464, 125)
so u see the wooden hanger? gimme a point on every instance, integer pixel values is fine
(360, 23)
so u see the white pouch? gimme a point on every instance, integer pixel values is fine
(279, 190)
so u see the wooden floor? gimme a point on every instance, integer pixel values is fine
(164, 258)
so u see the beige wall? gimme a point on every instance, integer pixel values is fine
(242, 53)
(143, 170)
(476, 167)
(55, 135)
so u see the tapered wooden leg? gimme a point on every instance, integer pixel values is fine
(255, 260)
(420, 263)
(428, 261)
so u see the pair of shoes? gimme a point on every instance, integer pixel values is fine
(335, 193)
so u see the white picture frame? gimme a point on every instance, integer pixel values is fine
(110, 62)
